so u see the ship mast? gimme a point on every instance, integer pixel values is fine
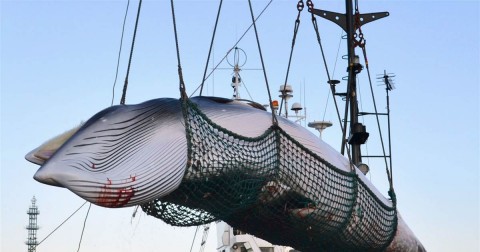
(353, 69)
(350, 22)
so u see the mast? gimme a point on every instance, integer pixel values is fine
(350, 22)
(352, 84)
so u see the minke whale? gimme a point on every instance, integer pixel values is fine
(129, 155)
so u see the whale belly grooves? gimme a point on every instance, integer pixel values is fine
(124, 155)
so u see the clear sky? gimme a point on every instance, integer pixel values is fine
(58, 61)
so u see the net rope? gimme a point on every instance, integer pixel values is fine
(274, 188)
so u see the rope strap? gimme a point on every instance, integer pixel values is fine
(332, 85)
(274, 118)
(183, 93)
(211, 46)
(124, 92)
(300, 7)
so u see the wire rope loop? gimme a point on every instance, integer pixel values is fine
(315, 26)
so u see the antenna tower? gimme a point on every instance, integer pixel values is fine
(32, 226)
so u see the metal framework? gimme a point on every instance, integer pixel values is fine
(32, 226)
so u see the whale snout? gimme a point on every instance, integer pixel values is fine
(50, 176)
(46, 178)
(95, 188)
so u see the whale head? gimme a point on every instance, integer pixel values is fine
(122, 156)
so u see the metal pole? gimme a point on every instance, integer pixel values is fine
(388, 120)
(352, 84)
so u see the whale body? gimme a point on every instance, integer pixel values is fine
(130, 155)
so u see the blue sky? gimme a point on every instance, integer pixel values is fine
(58, 61)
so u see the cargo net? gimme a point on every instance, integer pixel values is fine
(274, 188)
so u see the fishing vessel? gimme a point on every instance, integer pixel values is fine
(272, 179)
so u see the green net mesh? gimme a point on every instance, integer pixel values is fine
(274, 188)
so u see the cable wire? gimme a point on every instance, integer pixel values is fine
(233, 47)
(274, 118)
(389, 175)
(194, 236)
(248, 92)
(300, 6)
(332, 87)
(62, 223)
(211, 46)
(119, 53)
(83, 229)
(333, 74)
(180, 74)
(124, 93)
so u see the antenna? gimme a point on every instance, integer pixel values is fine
(387, 80)
(32, 226)
(286, 93)
(237, 67)
(236, 80)
(320, 126)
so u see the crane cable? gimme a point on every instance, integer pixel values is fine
(333, 74)
(84, 224)
(332, 86)
(274, 118)
(194, 236)
(300, 6)
(234, 46)
(206, 229)
(124, 92)
(361, 43)
(388, 170)
(211, 46)
(119, 53)
(183, 93)
(61, 223)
